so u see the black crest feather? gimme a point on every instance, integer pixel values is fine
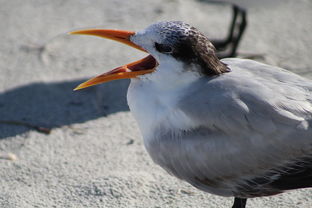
(193, 47)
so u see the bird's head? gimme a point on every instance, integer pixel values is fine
(169, 44)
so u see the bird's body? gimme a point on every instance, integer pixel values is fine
(232, 127)
(231, 135)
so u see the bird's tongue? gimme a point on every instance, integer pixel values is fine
(147, 63)
(131, 70)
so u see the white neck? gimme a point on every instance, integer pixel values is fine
(153, 99)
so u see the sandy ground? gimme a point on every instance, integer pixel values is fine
(94, 156)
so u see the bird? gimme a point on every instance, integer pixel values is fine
(230, 127)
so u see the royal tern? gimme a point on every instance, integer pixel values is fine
(230, 127)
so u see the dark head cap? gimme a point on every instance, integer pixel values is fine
(188, 45)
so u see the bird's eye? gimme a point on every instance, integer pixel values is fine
(162, 48)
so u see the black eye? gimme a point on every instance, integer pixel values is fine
(162, 48)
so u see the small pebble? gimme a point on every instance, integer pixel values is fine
(8, 156)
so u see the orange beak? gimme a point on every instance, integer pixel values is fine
(131, 70)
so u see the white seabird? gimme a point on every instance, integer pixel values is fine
(230, 127)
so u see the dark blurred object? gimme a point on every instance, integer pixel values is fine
(228, 46)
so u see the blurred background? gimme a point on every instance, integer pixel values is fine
(94, 156)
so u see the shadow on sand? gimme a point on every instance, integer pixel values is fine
(55, 104)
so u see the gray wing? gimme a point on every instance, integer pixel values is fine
(256, 124)
(256, 96)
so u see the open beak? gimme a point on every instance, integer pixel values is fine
(131, 70)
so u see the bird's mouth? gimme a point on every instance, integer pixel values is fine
(131, 70)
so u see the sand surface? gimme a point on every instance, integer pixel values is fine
(94, 156)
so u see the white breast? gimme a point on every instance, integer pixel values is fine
(152, 98)
(155, 108)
